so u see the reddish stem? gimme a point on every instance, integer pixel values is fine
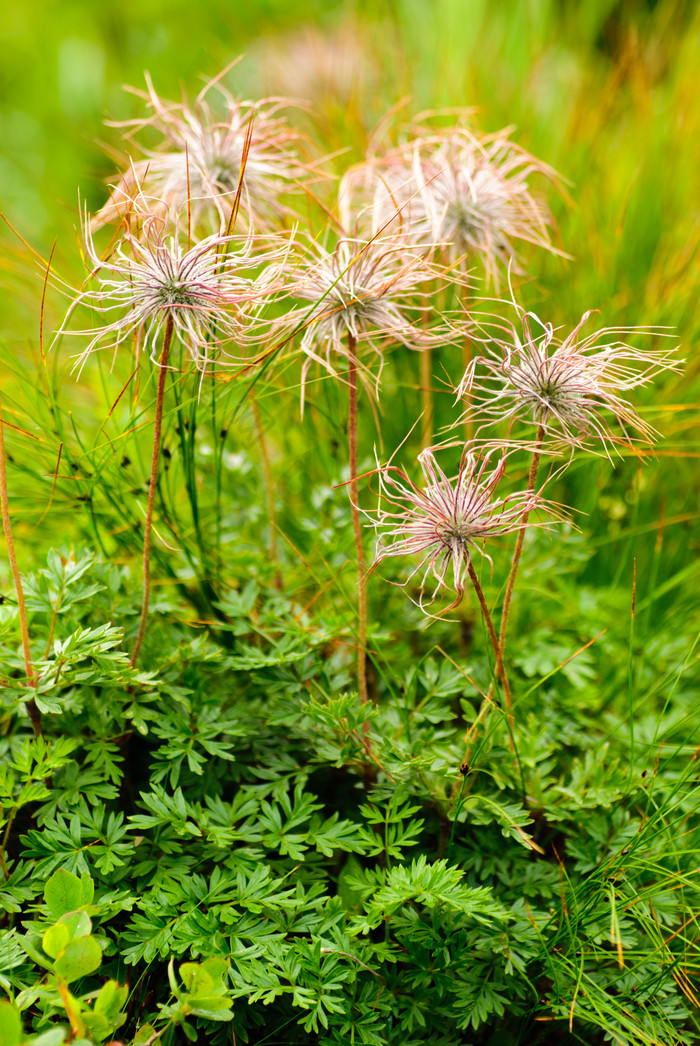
(500, 672)
(532, 478)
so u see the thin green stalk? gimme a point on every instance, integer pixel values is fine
(269, 486)
(30, 705)
(155, 458)
(187, 436)
(631, 668)
(357, 529)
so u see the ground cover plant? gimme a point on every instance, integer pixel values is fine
(349, 680)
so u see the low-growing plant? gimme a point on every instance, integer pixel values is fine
(255, 791)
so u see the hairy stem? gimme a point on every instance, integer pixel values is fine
(357, 529)
(30, 705)
(467, 356)
(500, 672)
(426, 396)
(532, 478)
(155, 458)
(269, 486)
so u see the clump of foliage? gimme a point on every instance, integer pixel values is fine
(250, 791)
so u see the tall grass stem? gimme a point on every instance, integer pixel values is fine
(30, 704)
(155, 458)
(269, 486)
(357, 530)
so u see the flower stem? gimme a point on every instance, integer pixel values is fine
(155, 458)
(30, 705)
(532, 478)
(269, 486)
(500, 672)
(467, 356)
(357, 529)
(426, 396)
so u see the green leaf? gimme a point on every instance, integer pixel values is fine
(81, 957)
(215, 1007)
(110, 1000)
(31, 947)
(10, 1025)
(88, 888)
(54, 1037)
(143, 1034)
(197, 980)
(63, 893)
(55, 940)
(216, 968)
(79, 924)
(189, 1031)
(350, 897)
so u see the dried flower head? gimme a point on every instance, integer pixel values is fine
(205, 156)
(567, 387)
(362, 289)
(463, 194)
(327, 68)
(152, 276)
(445, 521)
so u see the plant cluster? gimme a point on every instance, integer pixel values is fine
(245, 798)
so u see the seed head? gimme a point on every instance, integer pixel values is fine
(365, 289)
(568, 387)
(443, 522)
(466, 195)
(152, 276)
(204, 157)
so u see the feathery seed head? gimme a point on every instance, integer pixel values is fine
(152, 276)
(445, 521)
(206, 157)
(566, 386)
(363, 289)
(460, 193)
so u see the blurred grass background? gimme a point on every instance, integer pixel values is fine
(604, 90)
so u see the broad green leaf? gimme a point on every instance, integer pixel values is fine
(31, 947)
(143, 1034)
(88, 889)
(110, 1000)
(54, 1037)
(81, 957)
(63, 893)
(196, 980)
(214, 1007)
(10, 1025)
(189, 1031)
(55, 939)
(79, 923)
(216, 968)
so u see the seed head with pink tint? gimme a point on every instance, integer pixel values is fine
(370, 290)
(466, 195)
(570, 387)
(207, 153)
(443, 522)
(150, 275)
